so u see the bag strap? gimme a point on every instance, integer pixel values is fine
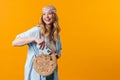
(45, 50)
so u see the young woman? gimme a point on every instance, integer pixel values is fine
(45, 33)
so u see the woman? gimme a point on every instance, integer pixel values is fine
(45, 33)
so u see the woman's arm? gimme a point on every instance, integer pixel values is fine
(24, 41)
(27, 37)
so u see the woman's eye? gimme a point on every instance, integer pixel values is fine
(50, 13)
(43, 13)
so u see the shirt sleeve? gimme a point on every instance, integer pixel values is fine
(59, 45)
(29, 33)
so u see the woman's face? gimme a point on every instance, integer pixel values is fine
(48, 17)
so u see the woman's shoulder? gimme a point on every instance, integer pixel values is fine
(35, 28)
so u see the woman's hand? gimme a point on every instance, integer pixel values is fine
(55, 54)
(40, 42)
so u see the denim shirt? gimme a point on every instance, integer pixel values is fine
(30, 73)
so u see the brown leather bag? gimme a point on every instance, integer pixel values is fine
(45, 64)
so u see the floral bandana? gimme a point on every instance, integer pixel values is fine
(47, 8)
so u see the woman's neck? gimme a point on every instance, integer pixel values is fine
(48, 27)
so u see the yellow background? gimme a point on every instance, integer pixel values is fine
(90, 37)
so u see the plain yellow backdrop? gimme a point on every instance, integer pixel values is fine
(90, 35)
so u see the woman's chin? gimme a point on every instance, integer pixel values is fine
(47, 23)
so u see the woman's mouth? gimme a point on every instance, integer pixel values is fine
(47, 20)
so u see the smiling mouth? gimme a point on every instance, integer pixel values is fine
(47, 20)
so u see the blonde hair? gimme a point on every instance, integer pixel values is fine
(55, 29)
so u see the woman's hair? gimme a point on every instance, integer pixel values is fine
(55, 29)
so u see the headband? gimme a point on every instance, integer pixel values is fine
(47, 8)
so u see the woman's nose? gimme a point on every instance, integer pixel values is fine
(46, 16)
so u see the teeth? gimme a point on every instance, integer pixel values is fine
(47, 20)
